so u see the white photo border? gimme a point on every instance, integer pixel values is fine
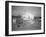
(28, 31)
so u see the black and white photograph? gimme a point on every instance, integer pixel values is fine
(25, 18)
